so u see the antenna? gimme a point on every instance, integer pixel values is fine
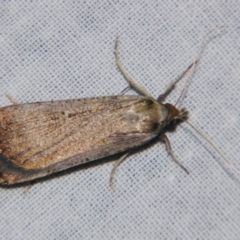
(191, 69)
(213, 146)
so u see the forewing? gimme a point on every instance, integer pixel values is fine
(41, 135)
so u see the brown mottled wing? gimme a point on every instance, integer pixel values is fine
(51, 136)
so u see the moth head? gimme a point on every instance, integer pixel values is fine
(175, 115)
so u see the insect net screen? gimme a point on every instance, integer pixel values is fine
(52, 50)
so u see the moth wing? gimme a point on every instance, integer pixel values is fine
(37, 135)
(51, 136)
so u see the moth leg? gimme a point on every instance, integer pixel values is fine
(115, 168)
(11, 99)
(27, 188)
(124, 90)
(131, 83)
(169, 149)
(172, 85)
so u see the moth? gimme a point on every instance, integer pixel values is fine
(41, 138)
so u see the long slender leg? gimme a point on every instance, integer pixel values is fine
(131, 83)
(172, 85)
(115, 168)
(11, 99)
(169, 149)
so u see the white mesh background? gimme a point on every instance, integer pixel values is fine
(64, 49)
